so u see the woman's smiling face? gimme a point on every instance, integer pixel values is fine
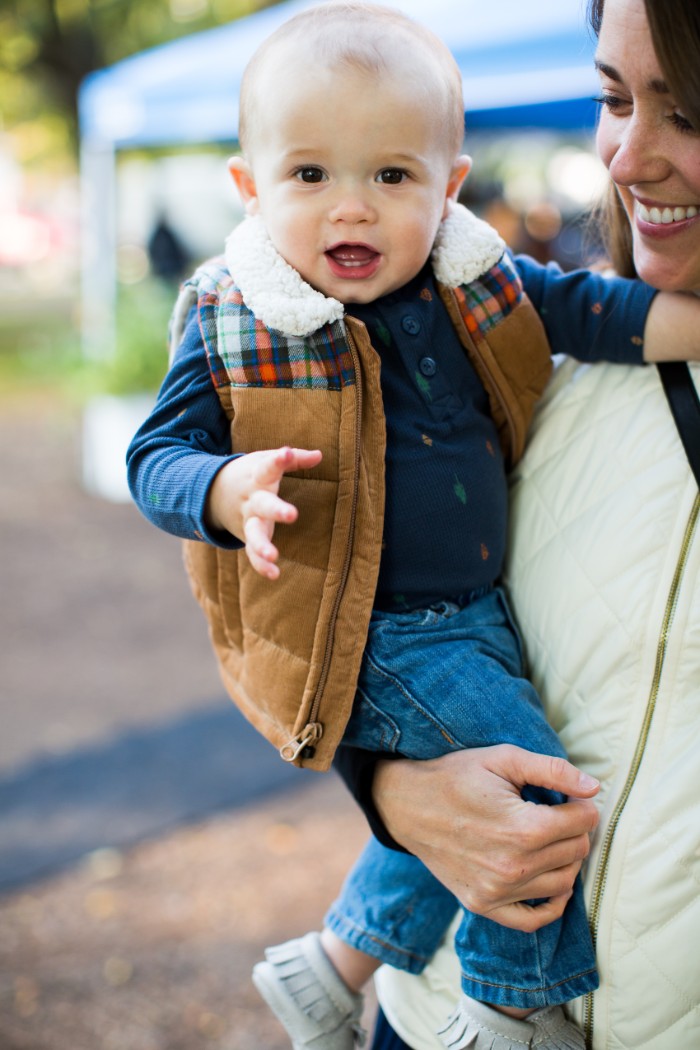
(650, 149)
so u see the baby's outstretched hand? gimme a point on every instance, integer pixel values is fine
(243, 499)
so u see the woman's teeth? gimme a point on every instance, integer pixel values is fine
(664, 216)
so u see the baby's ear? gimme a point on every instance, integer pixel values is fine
(460, 170)
(242, 175)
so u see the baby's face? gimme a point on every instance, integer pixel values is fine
(351, 175)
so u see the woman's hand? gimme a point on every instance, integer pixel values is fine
(463, 816)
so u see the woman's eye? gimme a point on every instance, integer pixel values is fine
(391, 176)
(309, 174)
(611, 102)
(681, 122)
(616, 105)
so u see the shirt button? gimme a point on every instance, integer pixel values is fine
(428, 366)
(411, 325)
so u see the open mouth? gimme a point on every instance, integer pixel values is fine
(667, 216)
(353, 261)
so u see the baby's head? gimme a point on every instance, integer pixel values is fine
(351, 126)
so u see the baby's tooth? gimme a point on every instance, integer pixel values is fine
(655, 215)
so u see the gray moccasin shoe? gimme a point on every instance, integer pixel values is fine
(302, 987)
(476, 1026)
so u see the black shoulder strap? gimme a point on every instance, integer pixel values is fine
(685, 408)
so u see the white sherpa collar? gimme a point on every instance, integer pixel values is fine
(465, 248)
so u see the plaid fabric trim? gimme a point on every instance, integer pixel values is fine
(242, 352)
(486, 301)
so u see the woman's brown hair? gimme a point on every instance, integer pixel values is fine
(675, 29)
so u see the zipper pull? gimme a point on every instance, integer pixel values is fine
(306, 739)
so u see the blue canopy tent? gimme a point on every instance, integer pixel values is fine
(523, 65)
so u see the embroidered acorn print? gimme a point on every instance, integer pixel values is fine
(427, 440)
(637, 340)
(489, 448)
(460, 491)
(423, 385)
(597, 308)
(425, 295)
(383, 333)
(484, 552)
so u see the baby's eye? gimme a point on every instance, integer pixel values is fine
(310, 174)
(391, 176)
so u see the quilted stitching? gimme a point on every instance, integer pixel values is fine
(583, 643)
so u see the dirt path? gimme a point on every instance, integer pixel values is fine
(149, 948)
(152, 949)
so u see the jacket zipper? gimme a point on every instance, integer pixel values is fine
(303, 743)
(606, 848)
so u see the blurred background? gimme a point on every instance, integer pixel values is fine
(150, 843)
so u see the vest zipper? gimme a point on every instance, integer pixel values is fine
(302, 745)
(606, 848)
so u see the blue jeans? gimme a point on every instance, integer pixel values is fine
(433, 681)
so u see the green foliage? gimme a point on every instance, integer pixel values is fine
(47, 47)
(43, 351)
(39, 350)
(141, 358)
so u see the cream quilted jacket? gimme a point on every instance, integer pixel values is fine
(604, 571)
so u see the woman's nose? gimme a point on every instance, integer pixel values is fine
(638, 156)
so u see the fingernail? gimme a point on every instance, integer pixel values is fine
(587, 781)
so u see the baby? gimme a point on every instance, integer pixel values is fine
(360, 368)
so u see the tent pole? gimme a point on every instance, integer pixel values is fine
(98, 249)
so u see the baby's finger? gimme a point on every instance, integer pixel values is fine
(275, 464)
(269, 507)
(271, 466)
(264, 568)
(262, 554)
(306, 458)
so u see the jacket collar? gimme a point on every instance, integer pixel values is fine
(465, 248)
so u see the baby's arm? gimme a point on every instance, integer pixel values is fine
(243, 500)
(596, 318)
(183, 451)
(672, 331)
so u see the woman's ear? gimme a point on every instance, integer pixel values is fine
(460, 170)
(242, 175)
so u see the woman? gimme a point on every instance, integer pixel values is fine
(604, 572)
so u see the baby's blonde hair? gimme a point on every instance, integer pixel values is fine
(371, 39)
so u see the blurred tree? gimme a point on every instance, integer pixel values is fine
(48, 46)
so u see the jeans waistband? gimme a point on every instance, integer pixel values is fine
(467, 597)
(459, 600)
